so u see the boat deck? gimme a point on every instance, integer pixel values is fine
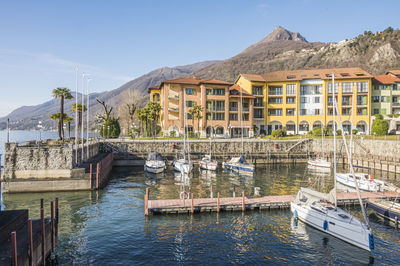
(197, 205)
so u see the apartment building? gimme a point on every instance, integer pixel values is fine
(301, 100)
(220, 102)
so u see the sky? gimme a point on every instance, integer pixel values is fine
(41, 42)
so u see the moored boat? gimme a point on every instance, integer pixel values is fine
(154, 163)
(365, 182)
(207, 163)
(319, 163)
(386, 208)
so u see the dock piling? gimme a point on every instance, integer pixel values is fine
(43, 231)
(192, 204)
(14, 248)
(218, 203)
(146, 202)
(56, 224)
(97, 176)
(243, 202)
(52, 224)
(30, 242)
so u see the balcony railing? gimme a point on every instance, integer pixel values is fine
(258, 105)
(245, 109)
(173, 96)
(258, 117)
(173, 109)
(395, 104)
(362, 90)
(233, 109)
(274, 93)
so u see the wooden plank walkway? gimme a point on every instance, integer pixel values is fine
(243, 203)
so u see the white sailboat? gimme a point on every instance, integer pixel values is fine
(364, 181)
(320, 209)
(181, 164)
(206, 163)
(239, 164)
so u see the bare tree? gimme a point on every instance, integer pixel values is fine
(130, 100)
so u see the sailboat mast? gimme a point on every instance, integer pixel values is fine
(334, 135)
(241, 118)
(351, 128)
(211, 130)
(184, 124)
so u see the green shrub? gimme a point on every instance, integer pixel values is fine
(355, 131)
(328, 131)
(378, 116)
(278, 133)
(338, 132)
(396, 115)
(172, 133)
(379, 127)
(317, 132)
(110, 128)
(390, 115)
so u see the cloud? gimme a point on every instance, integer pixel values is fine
(24, 60)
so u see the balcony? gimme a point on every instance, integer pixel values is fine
(245, 109)
(362, 90)
(173, 96)
(396, 104)
(173, 109)
(258, 105)
(346, 91)
(233, 109)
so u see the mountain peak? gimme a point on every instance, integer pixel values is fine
(280, 33)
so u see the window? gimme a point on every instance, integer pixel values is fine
(346, 111)
(189, 103)
(361, 111)
(258, 102)
(303, 90)
(233, 117)
(275, 100)
(382, 87)
(216, 116)
(376, 87)
(233, 106)
(303, 100)
(190, 91)
(290, 112)
(219, 106)
(316, 100)
(189, 116)
(291, 89)
(208, 91)
(303, 111)
(347, 87)
(290, 100)
(330, 87)
(361, 100)
(275, 112)
(362, 86)
(317, 112)
(219, 91)
(245, 117)
(394, 99)
(258, 113)
(375, 99)
(383, 99)
(275, 90)
(245, 106)
(383, 111)
(257, 90)
(376, 111)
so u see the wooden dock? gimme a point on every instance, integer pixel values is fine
(243, 203)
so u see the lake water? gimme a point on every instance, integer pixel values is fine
(108, 227)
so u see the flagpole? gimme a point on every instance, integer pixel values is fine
(76, 115)
(87, 117)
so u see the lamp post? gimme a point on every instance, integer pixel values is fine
(87, 117)
(76, 116)
(83, 102)
(8, 130)
(40, 126)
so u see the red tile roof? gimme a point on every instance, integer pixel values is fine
(394, 72)
(385, 79)
(234, 91)
(195, 81)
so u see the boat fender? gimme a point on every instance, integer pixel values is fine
(183, 195)
(295, 214)
(325, 225)
(371, 241)
(173, 146)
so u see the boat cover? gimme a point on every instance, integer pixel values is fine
(308, 196)
(154, 156)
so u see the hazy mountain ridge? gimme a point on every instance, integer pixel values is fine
(279, 50)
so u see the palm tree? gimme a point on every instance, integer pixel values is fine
(142, 117)
(57, 116)
(192, 113)
(153, 114)
(198, 110)
(68, 119)
(79, 114)
(62, 93)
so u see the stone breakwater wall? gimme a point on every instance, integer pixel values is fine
(35, 160)
(377, 148)
(222, 149)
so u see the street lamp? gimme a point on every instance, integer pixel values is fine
(87, 117)
(83, 102)
(40, 127)
(76, 114)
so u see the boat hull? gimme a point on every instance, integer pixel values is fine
(244, 169)
(326, 222)
(182, 166)
(392, 214)
(319, 163)
(208, 165)
(154, 167)
(366, 185)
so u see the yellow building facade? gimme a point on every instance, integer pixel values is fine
(302, 100)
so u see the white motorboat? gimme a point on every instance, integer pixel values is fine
(319, 163)
(154, 163)
(316, 209)
(207, 164)
(320, 210)
(365, 182)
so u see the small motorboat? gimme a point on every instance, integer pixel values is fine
(388, 209)
(207, 163)
(365, 182)
(155, 163)
(319, 163)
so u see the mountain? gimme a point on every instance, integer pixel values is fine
(279, 50)
(27, 117)
(285, 50)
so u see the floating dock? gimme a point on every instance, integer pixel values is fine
(243, 203)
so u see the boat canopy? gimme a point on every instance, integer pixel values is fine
(154, 156)
(308, 196)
